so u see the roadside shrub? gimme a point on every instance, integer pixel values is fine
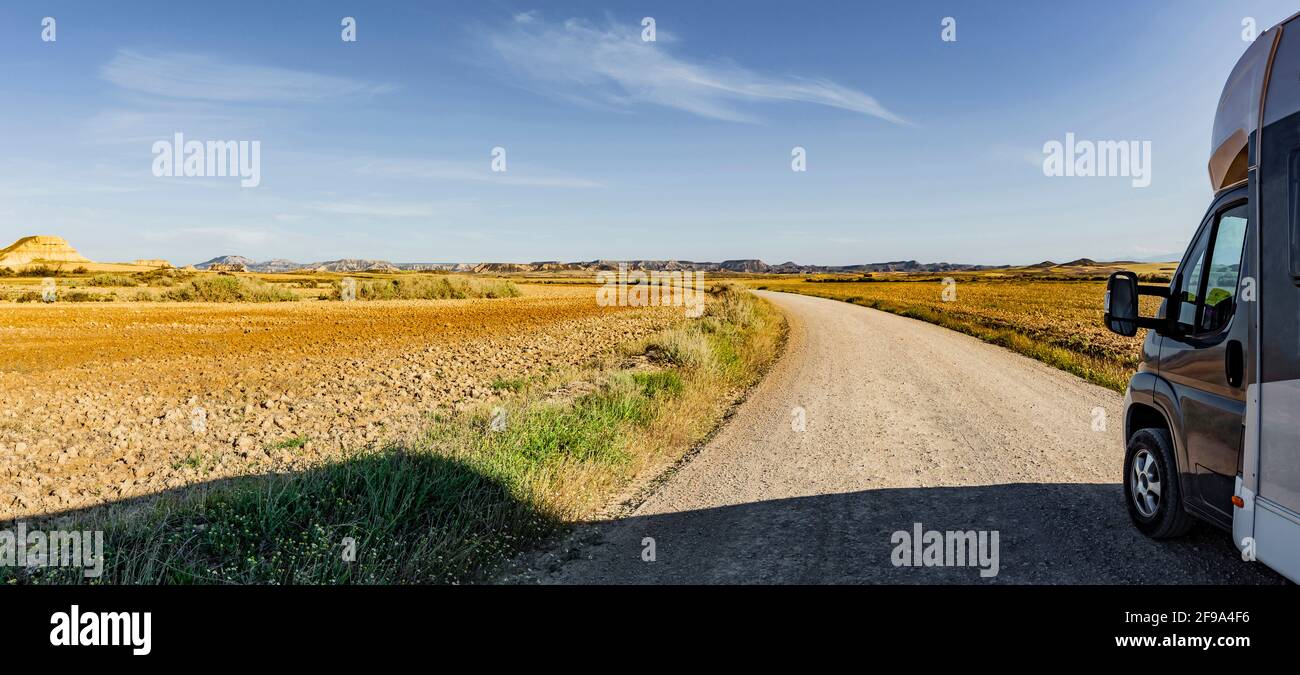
(228, 289)
(680, 347)
(163, 278)
(424, 288)
(110, 280)
(83, 296)
(729, 305)
(40, 271)
(46, 270)
(28, 296)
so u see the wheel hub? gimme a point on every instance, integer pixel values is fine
(1145, 483)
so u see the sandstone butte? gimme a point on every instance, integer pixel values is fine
(40, 248)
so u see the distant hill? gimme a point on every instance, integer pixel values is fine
(751, 266)
(742, 265)
(226, 260)
(276, 265)
(40, 248)
(352, 265)
(282, 265)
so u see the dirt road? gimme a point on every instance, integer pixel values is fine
(904, 423)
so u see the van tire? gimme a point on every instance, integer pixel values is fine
(1153, 485)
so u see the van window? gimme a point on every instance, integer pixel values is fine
(1188, 293)
(1224, 271)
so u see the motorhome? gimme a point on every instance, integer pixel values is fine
(1212, 417)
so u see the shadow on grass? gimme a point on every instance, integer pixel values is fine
(412, 517)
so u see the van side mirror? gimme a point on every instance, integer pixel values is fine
(1122, 303)
(1122, 291)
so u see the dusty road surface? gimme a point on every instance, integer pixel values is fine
(905, 423)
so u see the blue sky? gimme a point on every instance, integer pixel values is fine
(616, 148)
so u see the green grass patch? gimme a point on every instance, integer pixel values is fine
(290, 443)
(508, 384)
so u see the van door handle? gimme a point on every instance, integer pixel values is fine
(1235, 363)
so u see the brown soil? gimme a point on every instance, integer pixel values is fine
(108, 401)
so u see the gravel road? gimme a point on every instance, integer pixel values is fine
(906, 423)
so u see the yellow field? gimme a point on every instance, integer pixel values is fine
(1057, 322)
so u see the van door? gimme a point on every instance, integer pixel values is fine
(1204, 358)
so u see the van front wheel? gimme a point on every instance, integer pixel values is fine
(1155, 502)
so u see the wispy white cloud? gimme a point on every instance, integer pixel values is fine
(610, 66)
(201, 77)
(470, 171)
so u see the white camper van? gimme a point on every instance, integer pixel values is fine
(1212, 417)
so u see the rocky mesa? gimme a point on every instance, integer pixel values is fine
(40, 248)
